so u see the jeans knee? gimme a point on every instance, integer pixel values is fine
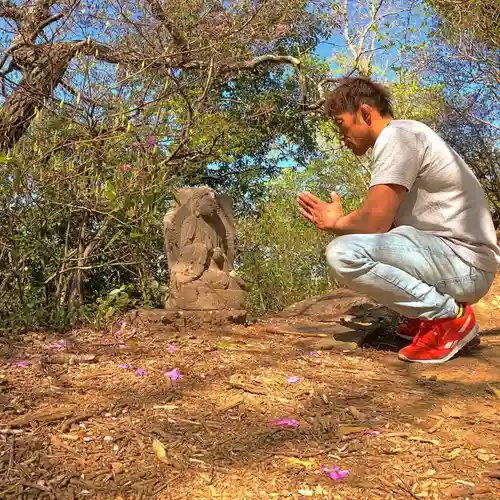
(341, 256)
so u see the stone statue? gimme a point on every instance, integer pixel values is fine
(199, 241)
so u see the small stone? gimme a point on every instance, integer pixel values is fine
(116, 467)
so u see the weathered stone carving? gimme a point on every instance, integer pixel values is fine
(199, 242)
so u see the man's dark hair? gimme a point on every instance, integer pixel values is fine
(352, 92)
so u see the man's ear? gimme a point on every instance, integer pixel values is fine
(366, 113)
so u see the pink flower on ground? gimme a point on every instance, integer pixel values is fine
(286, 422)
(21, 364)
(335, 473)
(174, 374)
(57, 346)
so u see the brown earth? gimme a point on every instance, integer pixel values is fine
(74, 424)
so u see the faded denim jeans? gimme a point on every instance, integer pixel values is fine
(411, 272)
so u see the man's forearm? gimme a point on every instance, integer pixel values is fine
(361, 222)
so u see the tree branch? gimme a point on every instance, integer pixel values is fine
(50, 20)
(9, 10)
(177, 37)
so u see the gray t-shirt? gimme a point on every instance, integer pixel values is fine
(444, 196)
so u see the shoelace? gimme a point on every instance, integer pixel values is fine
(428, 333)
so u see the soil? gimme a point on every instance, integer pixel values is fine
(93, 414)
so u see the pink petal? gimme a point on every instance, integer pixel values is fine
(57, 346)
(141, 372)
(21, 364)
(124, 365)
(293, 379)
(171, 348)
(335, 473)
(174, 374)
(286, 422)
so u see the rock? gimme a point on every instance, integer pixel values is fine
(344, 318)
(333, 344)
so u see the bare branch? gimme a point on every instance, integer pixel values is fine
(177, 37)
(50, 20)
(9, 10)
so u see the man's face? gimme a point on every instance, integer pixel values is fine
(354, 131)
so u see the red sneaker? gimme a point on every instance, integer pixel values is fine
(439, 340)
(408, 328)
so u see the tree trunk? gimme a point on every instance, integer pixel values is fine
(42, 68)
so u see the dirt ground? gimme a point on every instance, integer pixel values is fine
(116, 426)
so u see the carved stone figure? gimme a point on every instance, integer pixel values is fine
(199, 242)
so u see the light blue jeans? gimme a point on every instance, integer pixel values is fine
(411, 272)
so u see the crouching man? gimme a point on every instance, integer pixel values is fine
(423, 243)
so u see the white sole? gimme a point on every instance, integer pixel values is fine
(460, 345)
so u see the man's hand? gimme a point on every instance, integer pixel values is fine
(322, 214)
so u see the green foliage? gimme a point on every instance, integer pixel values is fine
(280, 254)
(108, 307)
(84, 192)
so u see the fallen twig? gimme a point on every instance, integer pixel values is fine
(69, 359)
(68, 423)
(35, 486)
(436, 426)
(236, 382)
(45, 416)
(164, 485)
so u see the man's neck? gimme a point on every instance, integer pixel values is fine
(379, 125)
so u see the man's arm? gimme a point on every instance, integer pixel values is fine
(375, 216)
(377, 213)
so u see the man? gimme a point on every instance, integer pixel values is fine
(423, 243)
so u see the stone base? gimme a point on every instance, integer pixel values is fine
(199, 297)
(176, 319)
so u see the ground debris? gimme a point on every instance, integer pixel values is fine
(42, 416)
(362, 411)
(494, 390)
(465, 491)
(67, 358)
(238, 382)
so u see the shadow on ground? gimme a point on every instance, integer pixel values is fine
(88, 429)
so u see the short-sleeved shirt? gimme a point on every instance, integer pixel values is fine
(444, 196)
